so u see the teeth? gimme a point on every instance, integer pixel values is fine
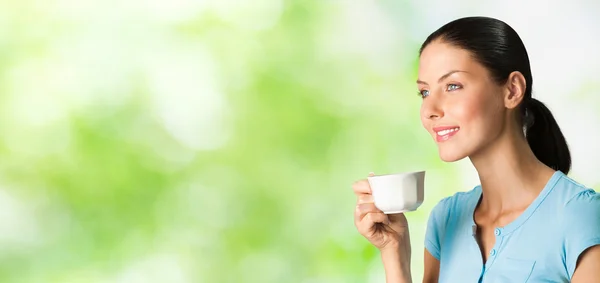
(445, 132)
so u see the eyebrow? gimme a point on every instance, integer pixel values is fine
(444, 76)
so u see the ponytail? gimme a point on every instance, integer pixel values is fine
(544, 136)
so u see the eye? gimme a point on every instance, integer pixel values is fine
(423, 93)
(452, 87)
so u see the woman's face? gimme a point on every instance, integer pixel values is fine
(462, 108)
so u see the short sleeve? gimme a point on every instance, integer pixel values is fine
(436, 226)
(582, 226)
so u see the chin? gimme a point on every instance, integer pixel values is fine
(451, 156)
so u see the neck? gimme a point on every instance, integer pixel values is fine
(510, 174)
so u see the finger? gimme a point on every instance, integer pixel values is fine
(369, 221)
(361, 187)
(362, 209)
(364, 198)
(366, 208)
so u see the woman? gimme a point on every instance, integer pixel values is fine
(527, 221)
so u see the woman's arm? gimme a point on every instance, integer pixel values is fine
(432, 268)
(588, 266)
(397, 267)
(581, 222)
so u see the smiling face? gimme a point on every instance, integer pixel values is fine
(463, 108)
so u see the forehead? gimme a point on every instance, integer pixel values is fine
(438, 58)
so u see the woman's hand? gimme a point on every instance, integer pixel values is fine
(384, 231)
(388, 232)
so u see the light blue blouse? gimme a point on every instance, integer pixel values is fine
(541, 245)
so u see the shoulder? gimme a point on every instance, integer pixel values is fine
(578, 210)
(579, 202)
(458, 201)
(456, 205)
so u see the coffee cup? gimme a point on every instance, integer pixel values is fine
(398, 193)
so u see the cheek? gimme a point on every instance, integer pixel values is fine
(469, 110)
(478, 112)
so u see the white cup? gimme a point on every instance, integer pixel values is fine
(398, 193)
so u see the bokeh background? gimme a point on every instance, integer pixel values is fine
(217, 141)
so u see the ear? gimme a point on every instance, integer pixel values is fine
(515, 90)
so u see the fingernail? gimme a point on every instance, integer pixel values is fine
(371, 174)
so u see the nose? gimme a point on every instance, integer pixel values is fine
(432, 108)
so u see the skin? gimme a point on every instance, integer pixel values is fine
(458, 91)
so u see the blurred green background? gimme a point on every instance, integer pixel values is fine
(208, 141)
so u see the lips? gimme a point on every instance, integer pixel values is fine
(445, 133)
